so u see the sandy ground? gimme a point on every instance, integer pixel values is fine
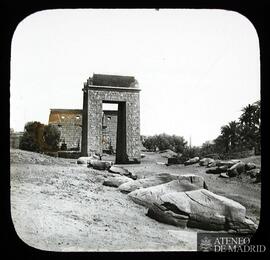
(57, 205)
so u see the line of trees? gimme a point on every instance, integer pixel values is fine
(164, 141)
(38, 137)
(236, 136)
(241, 135)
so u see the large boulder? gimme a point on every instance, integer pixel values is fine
(116, 181)
(228, 163)
(192, 161)
(250, 166)
(237, 169)
(201, 209)
(122, 171)
(213, 163)
(217, 170)
(147, 182)
(224, 175)
(150, 195)
(206, 161)
(100, 165)
(84, 160)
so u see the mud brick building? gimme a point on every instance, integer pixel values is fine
(120, 90)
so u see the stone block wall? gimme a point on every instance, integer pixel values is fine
(69, 122)
(131, 98)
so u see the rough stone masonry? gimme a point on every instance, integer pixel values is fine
(124, 91)
(69, 122)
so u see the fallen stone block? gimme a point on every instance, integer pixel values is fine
(213, 163)
(236, 169)
(160, 163)
(147, 182)
(84, 160)
(206, 161)
(166, 216)
(228, 163)
(150, 195)
(100, 165)
(204, 209)
(192, 161)
(122, 171)
(250, 166)
(224, 175)
(116, 181)
(217, 170)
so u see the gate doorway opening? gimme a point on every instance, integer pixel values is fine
(114, 130)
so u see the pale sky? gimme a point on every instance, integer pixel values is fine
(197, 68)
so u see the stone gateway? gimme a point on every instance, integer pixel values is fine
(121, 90)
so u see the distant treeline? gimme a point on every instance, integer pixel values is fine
(235, 137)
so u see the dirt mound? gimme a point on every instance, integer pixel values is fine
(26, 157)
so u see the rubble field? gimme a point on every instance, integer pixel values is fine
(59, 205)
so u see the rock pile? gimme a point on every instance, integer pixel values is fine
(231, 168)
(182, 201)
(115, 175)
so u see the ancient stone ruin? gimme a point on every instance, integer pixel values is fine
(120, 90)
(93, 130)
(69, 122)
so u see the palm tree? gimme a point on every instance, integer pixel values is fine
(230, 134)
(248, 115)
(250, 124)
(225, 137)
(234, 133)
